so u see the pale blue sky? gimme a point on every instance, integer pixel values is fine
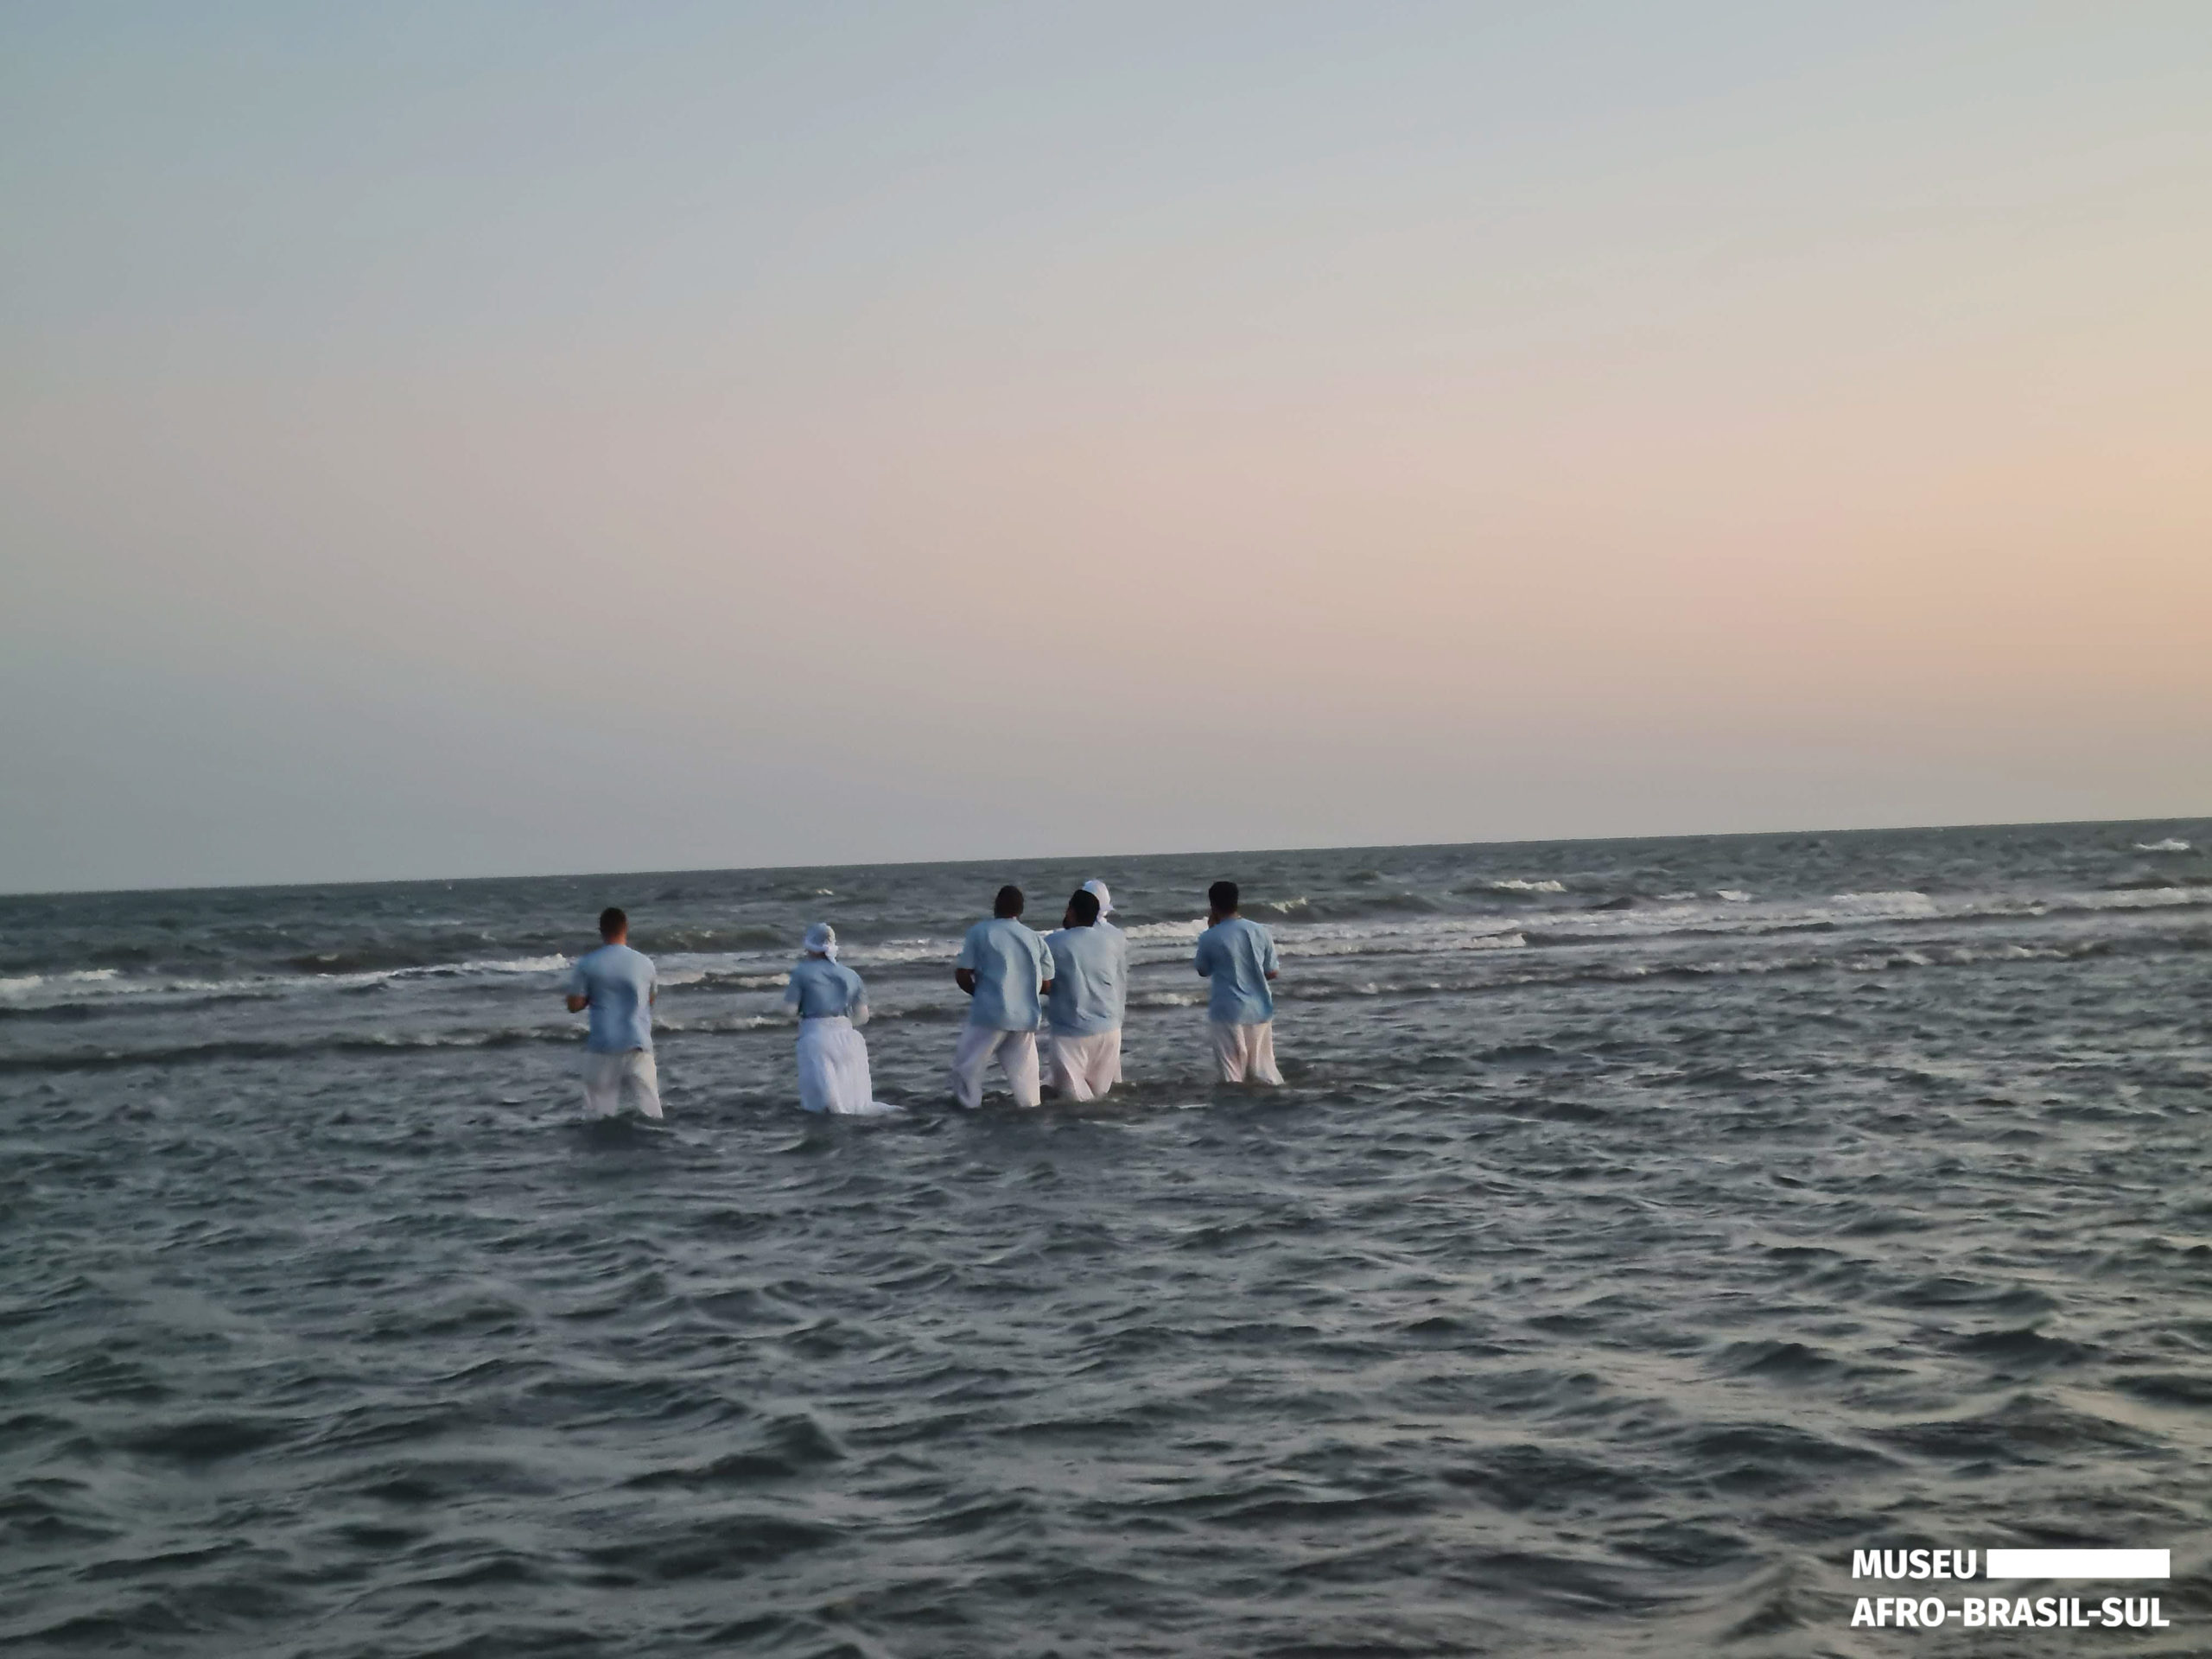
(470, 440)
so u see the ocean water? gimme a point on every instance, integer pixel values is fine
(1644, 1227)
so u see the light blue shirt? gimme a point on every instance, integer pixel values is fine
(821, 987)
(1011, 965)
(619, 982)
(1238, 956)
(1090, 979)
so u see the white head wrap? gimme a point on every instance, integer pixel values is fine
(821, 941)
(1105, 899)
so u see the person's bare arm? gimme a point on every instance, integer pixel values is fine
(965, 979)
(1271, 973)
(578, 1004)
(1045, 989)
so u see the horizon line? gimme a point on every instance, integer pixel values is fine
(930, 863)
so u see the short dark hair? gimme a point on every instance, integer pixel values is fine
(1009, 901)
(1084, 903)
(612, 921)
(1223, 896)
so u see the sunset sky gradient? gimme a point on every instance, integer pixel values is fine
(465, 439)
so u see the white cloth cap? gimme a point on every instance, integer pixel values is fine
(822, 940)
(1105, 899)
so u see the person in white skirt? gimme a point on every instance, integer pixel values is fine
(830, 1003)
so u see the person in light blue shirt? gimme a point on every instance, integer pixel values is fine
(831, 1003)
(616, 984)
(1239, 957)
(1090, 991)
(1006, 970)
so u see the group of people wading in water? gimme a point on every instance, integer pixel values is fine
(1072, 984)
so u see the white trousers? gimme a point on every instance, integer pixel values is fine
(1245, 1052)
(1017, 1055)
(833, 1069)
(614, 1081)
(1085, 1068)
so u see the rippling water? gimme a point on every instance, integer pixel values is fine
(1645, 1226)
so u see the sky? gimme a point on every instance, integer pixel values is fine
(457, 440)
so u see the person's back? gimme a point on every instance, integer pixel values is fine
(1239, 957)
(821, 990)
(1009, 963)
(1090, 979)
(618, 982)
(615, 984)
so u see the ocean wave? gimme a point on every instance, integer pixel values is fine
(1515, 884)
(1380, 941)
(279, 1049)
(2140, 899)
(20, 983)
(478, 965)
(1383, 933)
(1189, 930)
(1904, 902)
(2170, 844)
(1317, 985)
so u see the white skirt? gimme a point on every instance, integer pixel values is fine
(1085, 1068)
(1245, 1054)
(833, 1069)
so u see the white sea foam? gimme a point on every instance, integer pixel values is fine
(898, 951)
(1514, 884)
(1902, 903)
(1189, 930)
(2146, 899)
(1349, 941)
(2170, 844)
(20, 983)
(1733, 895)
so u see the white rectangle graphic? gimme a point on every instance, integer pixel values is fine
(2079, 1564)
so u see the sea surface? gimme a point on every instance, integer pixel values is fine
(1644, 1227)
